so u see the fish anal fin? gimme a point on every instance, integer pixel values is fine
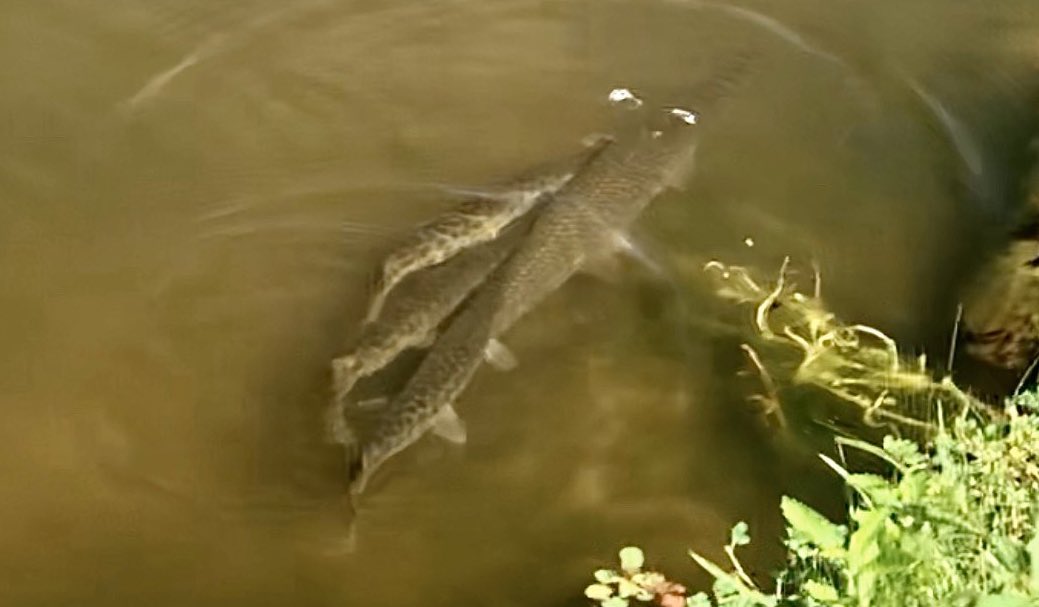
(448, 426)
(499, 356)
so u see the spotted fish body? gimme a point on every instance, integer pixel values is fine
(413, 311)
(581, 222)
(476, 220)
(443, 375)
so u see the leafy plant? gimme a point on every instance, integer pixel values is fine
(614, 588)
(952, 518)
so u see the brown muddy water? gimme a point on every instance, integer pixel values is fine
(194, 193)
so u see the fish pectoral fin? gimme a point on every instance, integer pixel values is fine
(499, 356)
(449, 426)
(622, 243)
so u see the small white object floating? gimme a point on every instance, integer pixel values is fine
(685, 115)
(748, 241)
(624, 96)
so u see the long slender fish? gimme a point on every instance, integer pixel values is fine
(479, 218)
(420, 303)
(586, 219)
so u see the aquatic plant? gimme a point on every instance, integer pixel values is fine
(955, 524)
(617, 588)
(952, 516)
(858, 364)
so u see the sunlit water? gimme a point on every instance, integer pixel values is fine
(194, 194)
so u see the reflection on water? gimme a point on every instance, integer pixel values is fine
(195, 193)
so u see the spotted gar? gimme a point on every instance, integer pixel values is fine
(413, 311)
(586, 219)
(479, 218)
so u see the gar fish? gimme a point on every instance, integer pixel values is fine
(586, 219)
(479, 218)
(413, 311)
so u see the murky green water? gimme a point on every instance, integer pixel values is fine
(194, 194)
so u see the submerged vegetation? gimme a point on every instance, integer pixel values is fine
(946, 514)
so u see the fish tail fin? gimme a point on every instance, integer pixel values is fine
(343, 432)
(356, 468)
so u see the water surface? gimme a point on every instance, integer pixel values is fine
(195, 194)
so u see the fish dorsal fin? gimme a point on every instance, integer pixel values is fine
(448, 426)
(499, 356)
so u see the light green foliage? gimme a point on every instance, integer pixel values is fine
(952, 519)
(632, 559)
(618, 588)
(951, 525)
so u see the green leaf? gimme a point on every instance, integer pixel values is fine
(615, 601)
(823, 593)
(698, 600)
(726, 586)
(905, 451)
(606, 576)
(812, 526)
(739, 535)
(727, 583)
(648, 579)
(1004, 600)
(863, 547)
(1033, 560)
(876, 489)
(598, 592)
(632, 559)
(913, 486)
(627, 589)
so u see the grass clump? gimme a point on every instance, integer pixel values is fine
(947, 513)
